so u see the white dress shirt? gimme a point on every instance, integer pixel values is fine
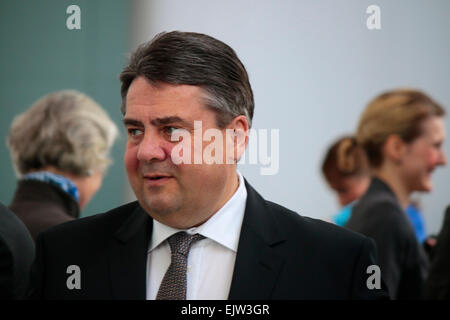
(211, 260)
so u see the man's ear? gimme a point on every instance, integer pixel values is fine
(394, 148)
(237, 137)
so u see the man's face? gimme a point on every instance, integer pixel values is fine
(424, 154)
(182, 195)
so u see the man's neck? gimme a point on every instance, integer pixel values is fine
(195, 216)
(226, 195)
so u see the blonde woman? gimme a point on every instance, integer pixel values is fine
(60, 151)
(402, 133)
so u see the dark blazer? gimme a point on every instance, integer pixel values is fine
(281, 255)
(437, 286)
(16, 255)
(41, 205)
(403, 261)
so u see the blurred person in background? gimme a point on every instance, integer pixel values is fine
(414, 213)
(16, 255)
(437, 285)
(346, 170)
(347, 173)
(402, 133)
(60, 151)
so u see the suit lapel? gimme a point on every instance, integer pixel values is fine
(257, 263)
(128, 257)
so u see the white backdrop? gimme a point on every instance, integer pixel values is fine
(313, 66)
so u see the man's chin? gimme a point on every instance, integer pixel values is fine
(158, 206)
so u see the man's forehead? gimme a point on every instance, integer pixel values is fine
(164, 103)
(142, 89)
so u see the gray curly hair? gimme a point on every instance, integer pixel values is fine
(64, 129)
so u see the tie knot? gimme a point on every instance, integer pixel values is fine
(181, 242)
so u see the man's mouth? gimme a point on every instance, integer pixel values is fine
(155, 179)
(156, 176)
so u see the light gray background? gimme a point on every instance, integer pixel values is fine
(313, 66)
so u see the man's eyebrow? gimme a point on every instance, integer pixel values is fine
(132, 122)
(170, 120)
(158, 122)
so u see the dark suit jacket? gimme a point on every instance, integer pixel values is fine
(16, 255)
(437, 286)
(403, 261)
(281, 255)
(41, 205)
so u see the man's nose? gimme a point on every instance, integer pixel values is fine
(151, 148)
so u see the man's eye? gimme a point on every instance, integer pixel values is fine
(170, 130)
(134, 132)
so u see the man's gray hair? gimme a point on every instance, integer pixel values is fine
(65, 129)
(194, 59)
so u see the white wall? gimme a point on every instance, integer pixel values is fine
(313, 66)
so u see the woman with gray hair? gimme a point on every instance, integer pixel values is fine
(60, 151)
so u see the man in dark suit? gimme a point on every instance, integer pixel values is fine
(437, 285)
(16, 255)
(198, 229)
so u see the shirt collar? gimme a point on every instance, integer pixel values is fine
(64, 183)
(223, 227)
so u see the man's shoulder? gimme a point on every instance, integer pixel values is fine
(92, 226)
(299, 228)
(304, 228)
(334, 254)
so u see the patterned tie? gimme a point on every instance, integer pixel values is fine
(173, 285)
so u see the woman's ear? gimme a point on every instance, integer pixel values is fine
(394, 148)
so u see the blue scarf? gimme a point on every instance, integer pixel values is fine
(61, 182)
